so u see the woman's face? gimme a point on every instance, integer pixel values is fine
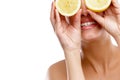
(91, 30)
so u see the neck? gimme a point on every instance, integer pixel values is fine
(99, 53)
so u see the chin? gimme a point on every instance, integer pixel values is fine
(92, 34)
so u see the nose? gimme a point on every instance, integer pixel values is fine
(84, 8)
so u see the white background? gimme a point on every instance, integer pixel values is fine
(28, 45)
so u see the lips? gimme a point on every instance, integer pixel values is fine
(87, 22)
(88, 25)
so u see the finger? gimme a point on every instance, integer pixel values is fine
(115, 9)
(64, 21)
(97, 17)
(52, 14)
(115, 3)
(116, 12)
(58, 20)
(76, 19)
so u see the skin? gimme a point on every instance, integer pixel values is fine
(100, 59)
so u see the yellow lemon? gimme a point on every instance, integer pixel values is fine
(97, 5)
(68, 7)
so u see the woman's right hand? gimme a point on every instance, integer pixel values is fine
(69, 34)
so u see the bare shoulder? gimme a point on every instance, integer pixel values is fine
(57, 71)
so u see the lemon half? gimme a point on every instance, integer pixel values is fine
(97, 5)
(68, 7)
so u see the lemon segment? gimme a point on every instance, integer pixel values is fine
(97, 5)
(68, 7)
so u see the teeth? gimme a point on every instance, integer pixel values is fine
(87, 23)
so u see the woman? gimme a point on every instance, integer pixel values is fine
(88, 33)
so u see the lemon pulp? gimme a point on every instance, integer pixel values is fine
(98, 5)
(68, 7)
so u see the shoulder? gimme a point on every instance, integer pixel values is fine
(57, 71)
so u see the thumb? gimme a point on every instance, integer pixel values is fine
(97, 17)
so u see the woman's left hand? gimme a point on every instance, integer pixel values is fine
(110, 21)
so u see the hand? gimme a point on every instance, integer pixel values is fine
(111, 19)
(69, 34)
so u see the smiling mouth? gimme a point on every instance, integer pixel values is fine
(88, 25)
